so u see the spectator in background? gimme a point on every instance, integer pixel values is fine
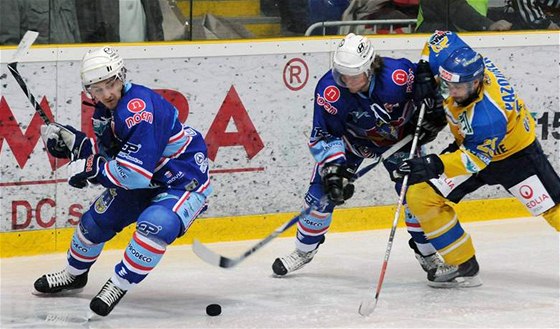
(325, 11)
(457, 15)
(294, 16)
(55, 20)
(379, 10)
(120, 21)
(532, 14)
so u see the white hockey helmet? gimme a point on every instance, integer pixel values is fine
(353, 56)
(101, 64)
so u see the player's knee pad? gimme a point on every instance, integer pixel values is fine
(552, 216)
(426, 204)
(159, 224)
(92, 231)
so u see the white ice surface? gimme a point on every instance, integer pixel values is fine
(519, 260)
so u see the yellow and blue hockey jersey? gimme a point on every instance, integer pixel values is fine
(494, 126)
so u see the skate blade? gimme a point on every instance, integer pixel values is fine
(92, 316)
(459, 282)
(62, 293)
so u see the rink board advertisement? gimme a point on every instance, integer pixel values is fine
(253, 101)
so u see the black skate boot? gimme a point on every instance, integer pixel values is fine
(453, 276)
(59, 282)
(109, 296)
(294, 261)
(427, 262)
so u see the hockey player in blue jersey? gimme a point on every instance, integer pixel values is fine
(363, 106)
(154, 169)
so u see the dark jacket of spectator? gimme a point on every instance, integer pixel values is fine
(55, 20)
(454, 15)
(99, 20)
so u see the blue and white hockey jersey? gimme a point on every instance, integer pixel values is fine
(365, 125)
(147, 146)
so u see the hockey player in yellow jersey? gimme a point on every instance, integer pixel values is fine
(495, 143)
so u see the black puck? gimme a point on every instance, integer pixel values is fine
(213, 309)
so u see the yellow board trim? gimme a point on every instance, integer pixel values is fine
(225, 8)
(28, 243)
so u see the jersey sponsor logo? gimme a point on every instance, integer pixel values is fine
(136, 105)
(526, 191)
(171, 178)
(326, 105)
(139, 255)
(139, 117)
(147, 228)
(400, 77)
(79, 247)
(532, 193)
(130, 148)
(332, 94)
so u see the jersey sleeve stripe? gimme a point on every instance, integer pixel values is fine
(182, 148)
(110, 176)
(134, 167)
(176, 137)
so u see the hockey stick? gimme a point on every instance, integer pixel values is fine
(28, 38)
(215, 259)
(22, 49)
(368, 305)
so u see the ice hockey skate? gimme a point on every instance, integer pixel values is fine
(60, 282)
(427, 262)
(293, 262)
(453, 276)
(109, 296)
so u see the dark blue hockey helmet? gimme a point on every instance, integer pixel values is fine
(463, 65)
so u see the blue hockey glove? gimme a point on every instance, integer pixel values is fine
(65, 141)
(419, 169)
(335, 178)
(82, 171)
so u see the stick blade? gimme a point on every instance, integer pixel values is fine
(28, 38)
(367, 306)
(211, 257)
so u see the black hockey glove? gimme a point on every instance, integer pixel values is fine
(425, 86)
(434, 121)
(82, 171)
(419, 169)
(65, 141)
(335, 182)
(425, 92)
